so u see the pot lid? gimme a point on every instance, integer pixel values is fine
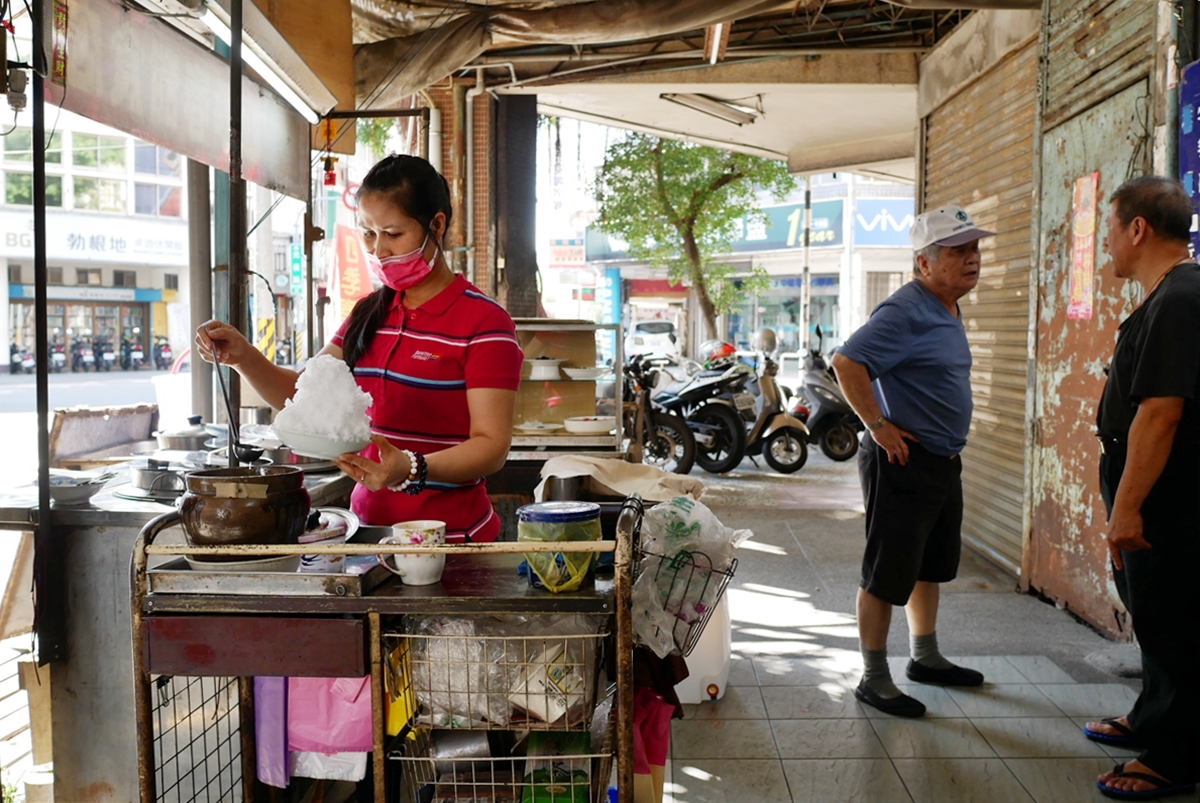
(559, 512)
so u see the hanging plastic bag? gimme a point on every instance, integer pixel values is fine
(270, 731)
(329, 715)
(651, 744)
(330, 767)
(686, 556)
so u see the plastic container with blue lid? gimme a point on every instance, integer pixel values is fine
(559, 521)
(559, 512)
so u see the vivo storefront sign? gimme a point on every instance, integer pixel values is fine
(883, 221)
(73, 237)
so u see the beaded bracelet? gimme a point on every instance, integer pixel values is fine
(414, 461)
(418, 486)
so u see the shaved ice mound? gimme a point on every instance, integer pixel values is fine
(327, 402)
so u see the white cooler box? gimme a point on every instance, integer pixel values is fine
(709, 664)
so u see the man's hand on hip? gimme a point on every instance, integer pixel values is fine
(893, 440)
(1125, 533)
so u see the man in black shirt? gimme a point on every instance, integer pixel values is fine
(1149, 427)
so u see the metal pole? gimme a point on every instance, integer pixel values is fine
(51, 641)
(200, 283)
(237, 208)
(309, 285)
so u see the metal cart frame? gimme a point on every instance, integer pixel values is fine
(197, 635)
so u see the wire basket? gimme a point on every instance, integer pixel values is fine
(687, 583)
(426, 777)
(456, 677)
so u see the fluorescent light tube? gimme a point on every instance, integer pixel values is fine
(722, 110)
(261, 66)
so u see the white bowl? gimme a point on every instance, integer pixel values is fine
(586, 373)
(591, 424)
(278, 563)
(544, 368)
(303, 443)
(73, 493)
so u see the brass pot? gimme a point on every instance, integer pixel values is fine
(249, 505)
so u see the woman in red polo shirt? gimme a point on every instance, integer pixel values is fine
(439, 358)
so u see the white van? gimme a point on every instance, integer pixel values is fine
(652, 338)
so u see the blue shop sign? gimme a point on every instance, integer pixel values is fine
(883, 221)
(1189, 142)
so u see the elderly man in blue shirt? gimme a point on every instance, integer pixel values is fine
(907, 374)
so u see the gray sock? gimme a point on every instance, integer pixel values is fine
(876, 675)
(925, 651)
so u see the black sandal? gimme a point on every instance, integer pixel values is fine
(1162, 787)
(1124, 737)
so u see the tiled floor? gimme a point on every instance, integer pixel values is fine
(791, 730)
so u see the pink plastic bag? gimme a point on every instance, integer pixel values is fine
(651, 730)
(329, 715)
(271, 731)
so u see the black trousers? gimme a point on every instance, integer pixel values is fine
(1160, 589)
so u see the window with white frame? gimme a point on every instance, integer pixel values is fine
(880, 285)
(18, 164)
(157, 188)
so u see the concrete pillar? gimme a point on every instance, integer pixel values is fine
(517, 201)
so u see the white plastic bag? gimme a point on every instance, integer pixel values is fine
(685, 550)
(330, 766)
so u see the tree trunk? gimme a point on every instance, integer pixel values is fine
(699, 284)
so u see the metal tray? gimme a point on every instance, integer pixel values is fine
(176, 577)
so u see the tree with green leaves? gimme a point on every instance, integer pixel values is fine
(680, 205)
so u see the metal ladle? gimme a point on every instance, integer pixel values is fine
(245, 454)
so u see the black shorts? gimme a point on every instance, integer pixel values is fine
(914, 520)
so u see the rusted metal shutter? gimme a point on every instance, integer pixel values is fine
(978, 154)
(1096, 49)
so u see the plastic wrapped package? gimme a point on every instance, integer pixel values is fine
(271, 731)
(460, 679)
(686, 555)
(469, 671)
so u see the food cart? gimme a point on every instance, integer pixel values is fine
(199, 637)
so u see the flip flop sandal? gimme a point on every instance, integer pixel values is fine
(1124, 738)
(1162, 787)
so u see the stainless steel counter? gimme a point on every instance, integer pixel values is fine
(19, 511)
(91, 692)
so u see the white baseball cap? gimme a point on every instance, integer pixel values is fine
(947, 225)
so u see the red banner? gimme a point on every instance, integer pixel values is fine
(354, 277)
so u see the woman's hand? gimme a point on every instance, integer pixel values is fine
(223, 340)
(393, 466)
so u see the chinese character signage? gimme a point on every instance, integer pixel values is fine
(567, 254)
(297, 264)
(97, 238)
(354, 280)
(1083, 247)
(782, 230)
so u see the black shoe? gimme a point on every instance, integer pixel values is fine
(953, 676)
(902, 706)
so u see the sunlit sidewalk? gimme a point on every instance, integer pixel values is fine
(789, 728)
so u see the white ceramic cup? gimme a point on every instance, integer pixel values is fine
(416, 569)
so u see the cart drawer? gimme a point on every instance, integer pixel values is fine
(241, 646)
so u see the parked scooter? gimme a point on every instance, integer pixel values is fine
(778, 436)
(82, 356)
(657, 437)
(132, 355)
(103, 349)
(709, 401)
(20, 360)
(163, 356)
(832, 424)
(58, 352)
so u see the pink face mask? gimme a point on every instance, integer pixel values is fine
(402, 271)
